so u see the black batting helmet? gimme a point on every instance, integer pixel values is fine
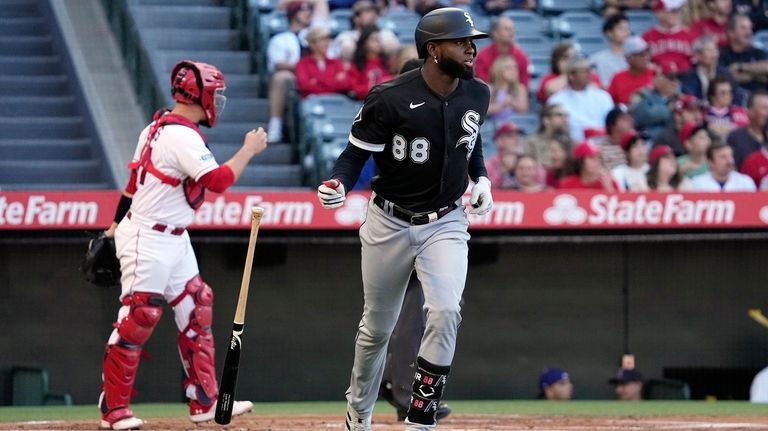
(445, 23)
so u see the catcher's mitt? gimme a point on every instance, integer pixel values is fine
(100, 265)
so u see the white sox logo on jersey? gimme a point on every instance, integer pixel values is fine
(470, 122)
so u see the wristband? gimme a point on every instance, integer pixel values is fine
(122, 208)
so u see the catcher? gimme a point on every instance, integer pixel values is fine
(171, 169)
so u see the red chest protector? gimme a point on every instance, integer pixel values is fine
(193, 191)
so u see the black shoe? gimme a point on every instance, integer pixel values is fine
(442, 411)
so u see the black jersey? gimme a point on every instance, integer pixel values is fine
(424, 145)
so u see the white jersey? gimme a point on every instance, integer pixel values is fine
(179, 152)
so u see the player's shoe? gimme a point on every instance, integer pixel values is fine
(199, 413)
(121, 418)
(355, 422)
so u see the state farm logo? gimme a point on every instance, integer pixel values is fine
(353, 211)
(565, 209)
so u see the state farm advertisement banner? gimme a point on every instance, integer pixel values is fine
(301, 210)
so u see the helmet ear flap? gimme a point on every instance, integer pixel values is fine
(186, 88)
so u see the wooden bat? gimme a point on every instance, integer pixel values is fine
(758, 317)
(228, 382)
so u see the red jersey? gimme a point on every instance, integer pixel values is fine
(671, 45)
(487, 55)
(311, 79)
(624, 84)
(574, 182)
(373, 73)
(756, 165)
(708, 26)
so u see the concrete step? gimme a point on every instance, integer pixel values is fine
(44, 85)
(22, 26)
(33, 65)
(208, 40)
(230, 132)
(45, 149)
(229, 62)
(241, 85)
(278, 176)
(275, 154)
(31, 106)
(182, 17)
(239, 109)
(50, 171)
(23, 46)
(42, 127)
(19, 8)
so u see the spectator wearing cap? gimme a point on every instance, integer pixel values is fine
(364, 14)
(639, 74)
(706, 68)
(714, 25)
(508, 94)
(686, 109)
(509, 143)
(555, 385)
(663, 175)
(627, 384)
(611, 60)
(747, 140)
(553, 121)
(721, 115)
(283, 52)
(721, 175)
(586, 104)
(502, 43)
(618, 123)
(589, 172)
(315, 72)
(747, 63)
(696, 139)
(670, 39)
(631, 177)
(560, 155)
(651, 107)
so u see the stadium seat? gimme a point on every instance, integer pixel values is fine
(576, 23)
(527, 121)
(666, 389)
(262, 5)
(526, 22)
(272, 23)
(555, 7)
(339, 20)
(29, 387)
(640, 20)
(399, 22)
(760, 39)
(588, 45)
(538, 65)
(535, 44)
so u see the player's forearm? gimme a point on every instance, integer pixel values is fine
(239, 161)
(349, 164)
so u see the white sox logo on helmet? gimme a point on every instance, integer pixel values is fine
(469, 19)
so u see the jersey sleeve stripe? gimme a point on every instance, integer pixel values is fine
(376, 148)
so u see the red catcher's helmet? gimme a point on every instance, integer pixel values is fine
(200, 83)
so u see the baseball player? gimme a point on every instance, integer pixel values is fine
(171, 169)
(423, 131)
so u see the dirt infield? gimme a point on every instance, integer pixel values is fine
(455, 423)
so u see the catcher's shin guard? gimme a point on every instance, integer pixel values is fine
(428, 384)
(121, 359)
(196, 344)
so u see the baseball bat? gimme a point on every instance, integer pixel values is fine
(758, 317)
(228, 382)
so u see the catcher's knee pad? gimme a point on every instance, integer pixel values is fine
(145, 310)
(428, 385)
(196, 343)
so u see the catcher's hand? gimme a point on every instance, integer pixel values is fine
(100, 265)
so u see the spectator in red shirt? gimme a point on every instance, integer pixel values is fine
(638, 76)
(670, 40)
(502, 43)
(370, 63)
(719, 11)
(722, 116)
(589, 171)
(315, 72)
(752, 137)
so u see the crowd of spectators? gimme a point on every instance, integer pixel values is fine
(680, 106)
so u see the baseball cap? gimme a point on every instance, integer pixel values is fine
(585, 149)
(688, 130)
(634, 45)
(628, 137)
(593, 132)
(669, 69)
(550, 376)
(625, 375)
(687, 101)
(362, 5)
(508, 127)
(658, 152)
(669, 4)
(295, 6)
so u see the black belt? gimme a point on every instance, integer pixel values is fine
(410, 216)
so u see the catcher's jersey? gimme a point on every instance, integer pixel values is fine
(179, 152)
(424, 145)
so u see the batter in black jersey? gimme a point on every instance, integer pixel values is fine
(423, 131)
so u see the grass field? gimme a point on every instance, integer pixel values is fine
(524, 408)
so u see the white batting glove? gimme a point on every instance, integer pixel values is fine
(331, 194)
(481, 199)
